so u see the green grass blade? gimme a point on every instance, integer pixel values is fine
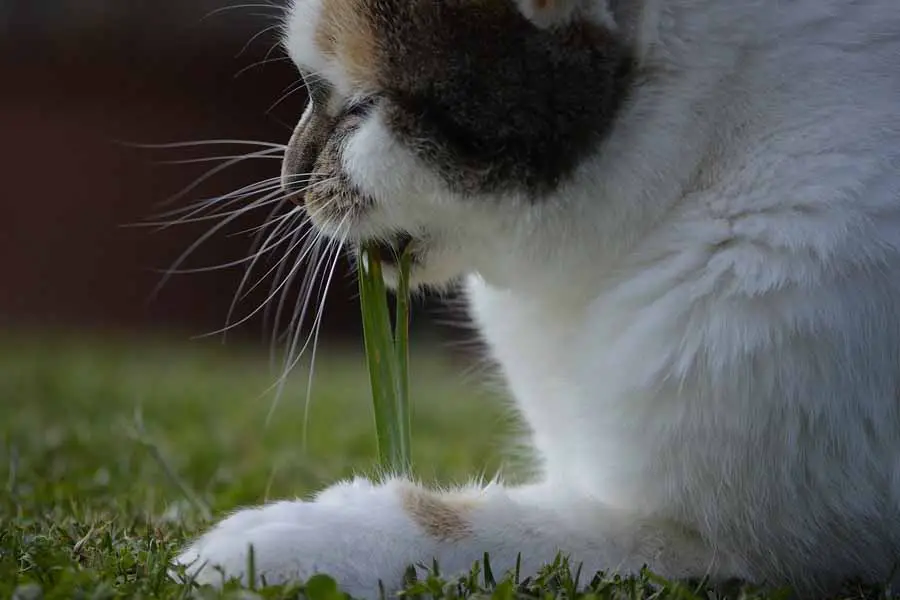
(379, 355)
(401, 349)
(387, 359)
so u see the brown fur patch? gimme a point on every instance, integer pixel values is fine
(346, 33)
(442, 517)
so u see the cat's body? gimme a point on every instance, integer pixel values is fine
(699, 317)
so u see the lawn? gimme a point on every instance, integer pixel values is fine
(114, 452)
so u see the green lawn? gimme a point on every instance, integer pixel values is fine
(112, 453)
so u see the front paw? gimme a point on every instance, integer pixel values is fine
(354, 532)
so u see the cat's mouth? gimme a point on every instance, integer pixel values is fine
(391, 248)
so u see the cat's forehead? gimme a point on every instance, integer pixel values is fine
(362, 45)
(337, 40)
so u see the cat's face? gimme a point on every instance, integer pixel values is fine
(440, 122)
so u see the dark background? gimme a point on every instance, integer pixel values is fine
(77, 77)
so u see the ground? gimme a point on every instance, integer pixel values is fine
(114, 452)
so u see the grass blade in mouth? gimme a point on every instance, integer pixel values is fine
(387, 357)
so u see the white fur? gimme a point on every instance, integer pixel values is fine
(702, 327)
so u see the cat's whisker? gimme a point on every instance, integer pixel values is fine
(218, 215)
(290, 236)
(257, 35)
(212, 142)
(305, 221)
(312, 247)
(252, 256)
(264, 61)
(212, 231)
(223, 9)
(295, 327)
(206, 159)
(317, 328)
(234, 196)
(292, 89)
(277, 43)
(256, 229)
(294, 356)
(303, 83)
(293, 246)
(269, 298)
(216, 204)
(226, 199)
(314, 251)
(213, 172)
(272, 196)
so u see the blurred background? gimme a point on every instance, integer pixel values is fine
(85, 343)
(121, 411)
(83, 78)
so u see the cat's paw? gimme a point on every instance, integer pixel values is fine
(356, 532)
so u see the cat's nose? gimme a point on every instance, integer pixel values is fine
(301, 155)
(296, 164)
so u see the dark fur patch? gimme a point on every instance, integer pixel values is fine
(488, 99)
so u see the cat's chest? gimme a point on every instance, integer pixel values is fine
(561, 364)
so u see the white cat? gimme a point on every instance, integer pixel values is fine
(679, 226)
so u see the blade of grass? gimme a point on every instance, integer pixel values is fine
(401, 348)
(387, 359)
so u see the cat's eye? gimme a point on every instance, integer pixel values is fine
(359, 107)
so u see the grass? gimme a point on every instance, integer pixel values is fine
(89, 429)
(113, 453)
(387, 358)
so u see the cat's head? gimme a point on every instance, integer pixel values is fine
(440, 122)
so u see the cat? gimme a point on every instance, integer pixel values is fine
(677, 225)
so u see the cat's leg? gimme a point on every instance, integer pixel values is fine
(360, 532)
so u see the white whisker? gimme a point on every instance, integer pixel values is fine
(257, 35)
(307, 218)
(212, 231)
(317, 327)
(205, 159)
(229, 198)
(271, 195)
(223, 9)
(217, 142)
(294, 356)
(292, 89)
(252, 256)
(218, 215)
(211, 173)
(295, 327)
(280, 222)
(268, 299)
(265, 61)
(269, 221)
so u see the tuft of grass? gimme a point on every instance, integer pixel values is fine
(387, 357)
(113, 451)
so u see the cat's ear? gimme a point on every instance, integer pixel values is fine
(555, 13)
